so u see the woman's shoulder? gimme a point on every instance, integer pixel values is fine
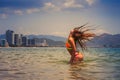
(71, 38)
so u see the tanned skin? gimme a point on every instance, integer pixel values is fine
(73, 51)
(81, 35)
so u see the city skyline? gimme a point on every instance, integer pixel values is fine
(51, 17)
(13, 39)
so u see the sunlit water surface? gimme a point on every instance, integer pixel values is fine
(52, 64)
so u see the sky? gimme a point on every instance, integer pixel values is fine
(58, 17)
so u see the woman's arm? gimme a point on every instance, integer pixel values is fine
(73, 44)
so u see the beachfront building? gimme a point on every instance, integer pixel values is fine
(24, 41)
(10, 37)
(34, 42)
(3, 43)
(20, 39)
(17, 40)
(44, 44)
(29, 42)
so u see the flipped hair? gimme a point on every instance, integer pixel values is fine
(84, 35)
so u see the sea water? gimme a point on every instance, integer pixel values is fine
(51, 63)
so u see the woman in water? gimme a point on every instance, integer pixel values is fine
(78, 35)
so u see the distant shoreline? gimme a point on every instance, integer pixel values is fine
(54, 46)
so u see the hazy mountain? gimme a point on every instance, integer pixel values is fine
(52, 42)
(105, 40)
(55, 38)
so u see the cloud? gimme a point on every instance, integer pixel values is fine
(101, 31)
(72, 4)
(50, 6)
(20, 4)
(21, 7)
(58, 33)
(90, 2)
(19, 12)
(32, 10)
(62, 5)
(3, 16)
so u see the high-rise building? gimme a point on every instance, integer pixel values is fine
(3, 43)
(35, 42)
(29, 42)
(10, 37)
(16, 40)
(24, 41)
(20, 39)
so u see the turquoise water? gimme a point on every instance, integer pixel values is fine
(52, 64)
